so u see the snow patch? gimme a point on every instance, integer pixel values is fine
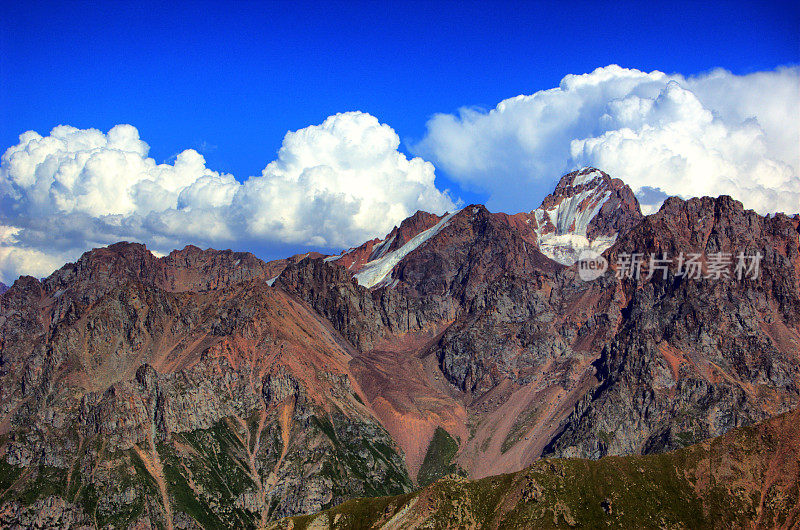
(571, 223)
(381, 249)
(378, 271)
(566, 248)
(586, 178)
(568, 211)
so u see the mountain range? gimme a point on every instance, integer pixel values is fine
(212, 389)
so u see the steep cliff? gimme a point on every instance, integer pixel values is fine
(211, 388)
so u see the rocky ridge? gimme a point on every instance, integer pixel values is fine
(471, 352)
(527, 346)
(210, 398)
(747, 478)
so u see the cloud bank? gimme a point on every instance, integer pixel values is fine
(332, 185)
(712, 134)
(344, 181)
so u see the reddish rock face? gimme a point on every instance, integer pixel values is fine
(190, 269)
(531, 349)
(459, 321)
(355, 258)
(695, 356)
(275, 267)
(123, 360)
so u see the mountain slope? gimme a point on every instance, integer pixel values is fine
(136, 404)
(210, 387)
(749, 477)
(542, 362)
(695, 357)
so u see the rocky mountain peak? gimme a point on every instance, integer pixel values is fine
(587, 211)
(356, 258)
(452, 345)
(100, 270)
(410, 227)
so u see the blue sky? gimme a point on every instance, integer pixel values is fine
(230, 79)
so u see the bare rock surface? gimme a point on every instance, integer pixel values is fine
(209, 388)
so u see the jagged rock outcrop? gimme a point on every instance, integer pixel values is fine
(430, 284)
(695, 357)
(50, 512)
(210, 388)
(189, 269)
(210, 400)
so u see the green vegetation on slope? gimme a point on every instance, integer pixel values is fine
(438, 461)
(522, 424)
(215, 476)
(749, 477)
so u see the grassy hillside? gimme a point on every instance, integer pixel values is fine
(747, 478)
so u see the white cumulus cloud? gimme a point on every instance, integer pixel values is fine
(343, 181)
(717, 133)
(338, 183)
(333, 184)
